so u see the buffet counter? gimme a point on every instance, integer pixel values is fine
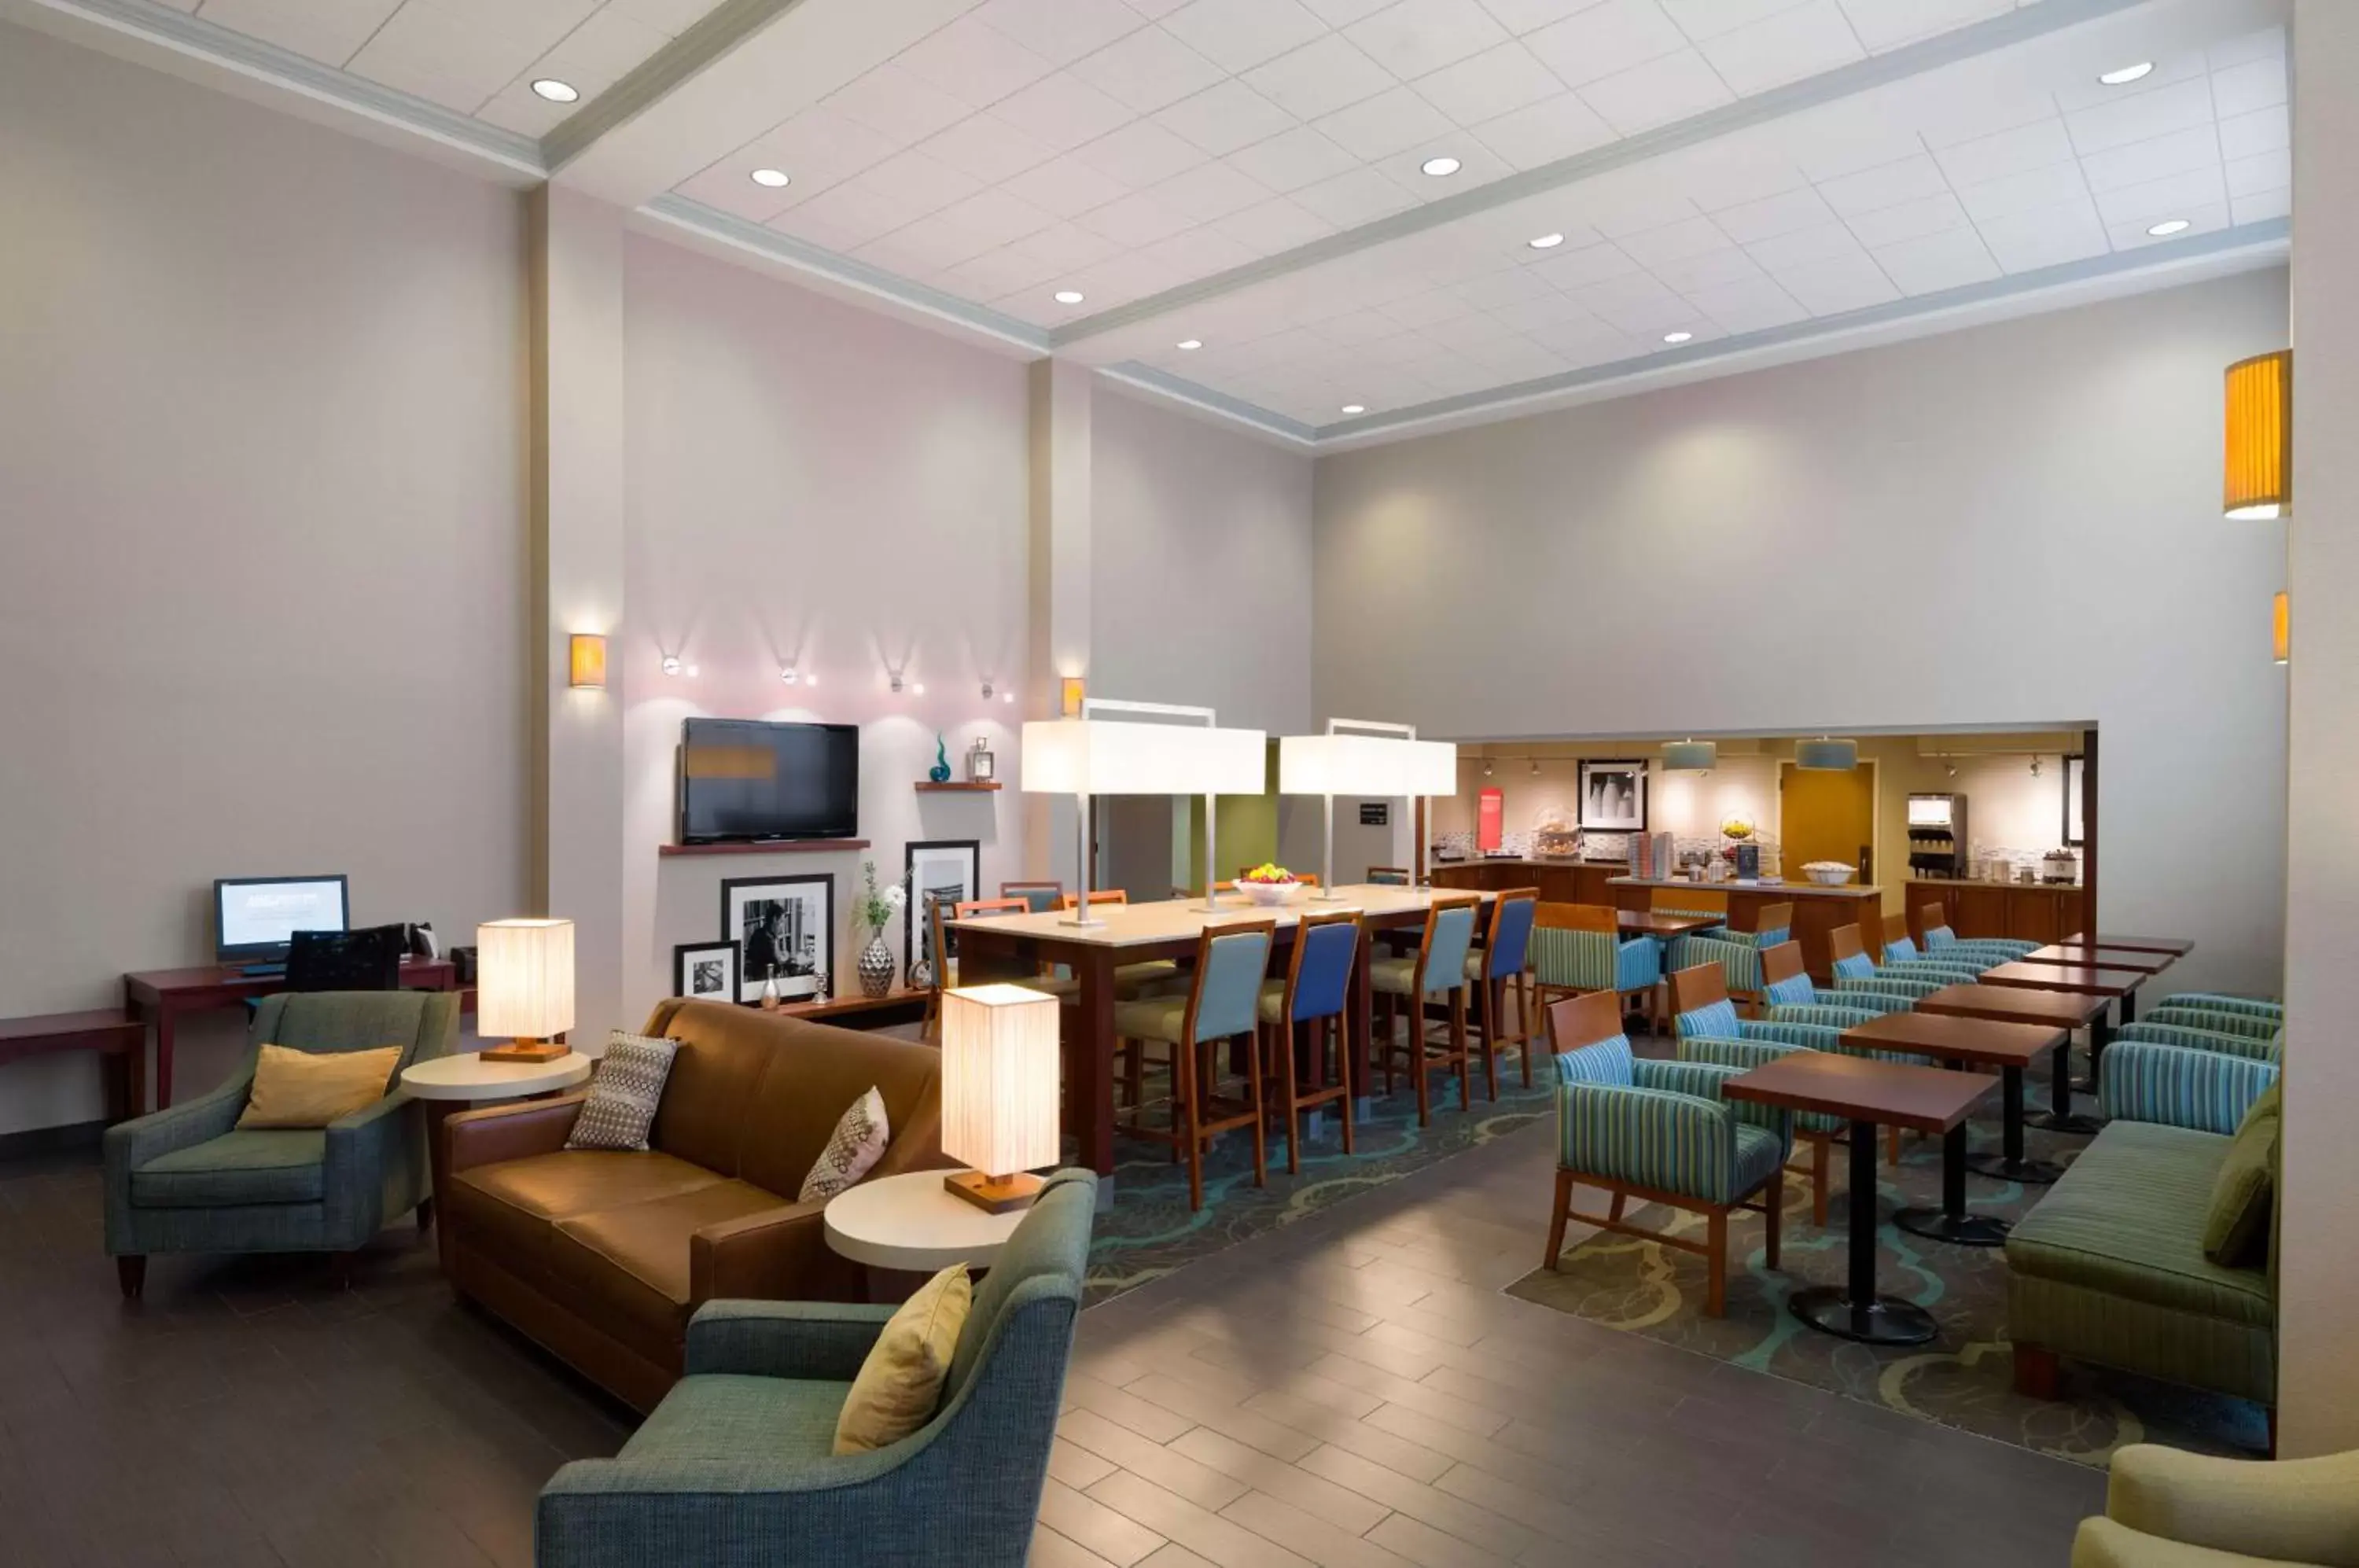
(2029, 911)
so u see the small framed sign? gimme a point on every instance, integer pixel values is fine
(1375, 813)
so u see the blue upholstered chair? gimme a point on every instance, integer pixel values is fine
(2201, 1090)
(1222, 1003)
(1387, 876)
(186, 1180)
(1580, 948)
(1659, 1132)
(1856, 974)
(1737, 953)
(1403, 986)
(1941, 941)
(2226, 1042)
(2223, 1002)
(1499, 962)
(2251, 1025)
(736, 1468)
(1789, 995)
(1303, 1025)
(1900, 956)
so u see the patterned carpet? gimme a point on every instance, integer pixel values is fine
(1962, 1380)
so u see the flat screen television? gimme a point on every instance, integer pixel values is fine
(742, 781)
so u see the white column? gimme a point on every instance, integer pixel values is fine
(577, 582)
(1060, 588)
(2318, 1378)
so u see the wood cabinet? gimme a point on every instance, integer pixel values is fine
(1559, 884)
(2028, 913)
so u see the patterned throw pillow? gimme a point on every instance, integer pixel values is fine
(857, 1143)
(624, 1094)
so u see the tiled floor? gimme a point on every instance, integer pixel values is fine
(1352, 1391)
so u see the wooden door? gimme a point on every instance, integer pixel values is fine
(1824, 816)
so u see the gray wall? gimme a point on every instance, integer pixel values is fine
(2017, 524)
(262, 540)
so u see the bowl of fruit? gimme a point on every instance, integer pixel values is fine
(1269, 884)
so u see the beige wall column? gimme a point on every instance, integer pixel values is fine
(1060, 585)
(577, 587)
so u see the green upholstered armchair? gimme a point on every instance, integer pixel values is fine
(2166, 1508)
(736, 1468)
(186, 1179)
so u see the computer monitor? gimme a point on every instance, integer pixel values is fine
(255, 917)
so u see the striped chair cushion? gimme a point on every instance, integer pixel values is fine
(1834, 1018)
(2202, 1091)
(1896, 987)
(1601, 1062)
(1663, 1140)
(1740, 964)
(1718, 1021)
(2226, 1043)
(1594, 960)
(1794, 992)
(1745, 1055)
(2257, 1026)
(2223, 1002)
(1858, 967)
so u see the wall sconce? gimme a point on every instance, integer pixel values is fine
(2257, 473)
(672, 666)
(792, 675)
(986, 690)
(1071, 691)
(915, 688)
(2281, 639)
(585, 662)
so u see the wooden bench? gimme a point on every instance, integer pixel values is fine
(104, 1030)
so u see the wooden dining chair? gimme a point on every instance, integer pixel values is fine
(1580, 948)
(1303, 1018)
(945, 967)
(1387, 876)
(1222, 1004)
(1436, 971)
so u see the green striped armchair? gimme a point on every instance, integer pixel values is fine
(1941, 940)
(1576, 949)
(2174, 1085)
(1856, 974)
(2254, 1026)
(2223, 1002)
(2226, 1042)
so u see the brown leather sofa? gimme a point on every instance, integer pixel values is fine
(602, 1255)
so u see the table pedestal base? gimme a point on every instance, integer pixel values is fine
(1958, 1230)
(1886, 1320)
(2030, 1173)
(2048, 1121)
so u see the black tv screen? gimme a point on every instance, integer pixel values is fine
(744, 779)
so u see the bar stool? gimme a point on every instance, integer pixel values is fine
(1438, 969)
(1506, 948)
(1223, 1004)
(1312, 996)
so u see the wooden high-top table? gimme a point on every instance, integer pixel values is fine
(1010, 947)
(2064, 1010)
(1868, 1094)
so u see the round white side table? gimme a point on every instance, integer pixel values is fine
(909, 1224)
(450, 1083)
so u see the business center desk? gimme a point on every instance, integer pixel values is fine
(1013, 947)
(160, 996)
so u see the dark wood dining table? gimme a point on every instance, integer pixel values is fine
(1867, 1093)
(2176, 946)
(2065, 1010)
(1974, 1043)
(2103, 957)
(1659, 923)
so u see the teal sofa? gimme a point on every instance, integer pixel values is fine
(736, 1467)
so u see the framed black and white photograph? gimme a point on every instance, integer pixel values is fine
(1614, 794)
(944, 871)
(2075, 779)
(784, 927)
(705, 971)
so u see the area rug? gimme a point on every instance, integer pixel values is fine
(1963, 1378)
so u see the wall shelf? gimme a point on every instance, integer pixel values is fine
(957, 786)
(778, 846)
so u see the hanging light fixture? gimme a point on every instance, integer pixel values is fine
(2257, 476)
(2282, 629)
(1690, 756)
(1825, 756)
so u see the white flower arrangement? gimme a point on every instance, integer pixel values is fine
(879, 905)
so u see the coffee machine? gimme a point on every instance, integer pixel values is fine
(1937, 836)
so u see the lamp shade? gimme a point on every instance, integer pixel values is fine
(1690, 756)
(1365, 765)
(1111, 757)
(524, 979)
(1824, 755)
(585, 662)
(999, 1078)
(2257, 475)
(2281, 629)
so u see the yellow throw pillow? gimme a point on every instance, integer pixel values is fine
(901, 1382)
(311, 1088)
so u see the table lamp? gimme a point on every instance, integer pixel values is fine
(999, 1091)
(524, 987)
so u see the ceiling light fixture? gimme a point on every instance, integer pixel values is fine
(556, 91)
(2127, 74)
(1439, 166)
(2169, 226)
(772, 178)
(1068, 296)
(1547, 241)
(787, 675)
(1191, 345)
(1355, 407)
(1679, 337)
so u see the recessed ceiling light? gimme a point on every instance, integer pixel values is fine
(1355, 407)
(556, 91)
(1677, 337)
(2169, 226)
(773, 177)
(1191, 343)
(1547, 242)
(1068, 296)
(1440, 166)
(2127, 74)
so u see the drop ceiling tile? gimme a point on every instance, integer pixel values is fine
(1427, 309)
(728, 186)
(2085, 92)
(2262, 172)
(1067, 248)
(2058, 185)
(1292, 160)
(1275, 225)
(1674, 242)
(1592, 264)
(2038, 145)
(1343, 13)
(2267, 43)
(818, 148)
(443, 55)
(1510, 286)
(2045, 236)
(1630, 205)
(1749, 305)
(1140, 154)
(1064, 186)
(2204, 218)
(2117, 168)
(922, 251)
(2263, 130)
(1887, 185)
(994, 217)
(1319, 78)
(1134, 222)
(1774, 215)
(1542, 133)
(918, 183)
(1908, 221)
(1833, 285)
(1887, 24)
(1702, 19)
(1241, 34)
(1603, 39)
(1785, 48)
(1223, 118)
(1200, 253)
(1359, 327)
(2241, 89)
(1729, 171)
(2263, 205)
(998, 273)
(1060, 31)
(1350, 200)
(1390, 123)
(1477, 165)
(897, 105)
(330, 34)
(1636, 304)
(1966, 106)
(519, 109)
(970, 59)
(844, 218)
(1211, 190)
(1583, 343)
(2174, 196)
(1465, 331)
(1659, 93)
(1847, 136)
(1517, 359)
(608, 43)
(1062, 110)
(1806, 247)
(1147, 69)
(1712, 269)
(672, 16)
(990, 150)
(1489, 84)
(1416, 36)
(1935, 262)
(2142, 117)
(1551, 310)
